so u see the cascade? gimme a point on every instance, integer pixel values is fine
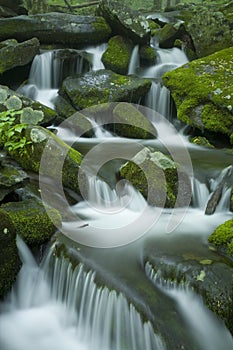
(208, 331)
(134, 60)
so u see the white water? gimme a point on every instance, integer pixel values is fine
(97, 52)
(207, 330)
(60, 308)
(134, 60)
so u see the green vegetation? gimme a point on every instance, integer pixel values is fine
(223, 237)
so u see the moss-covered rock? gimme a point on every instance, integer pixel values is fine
(147, 55)
(130, 122)
(201, 141)
(222, 237)
(103, 86)
(14, 54)
(118, 54)
(11, 177)
(209, 25)
(124, 21)
(32, 221)
(60, 162)
(155, 175)
(9, 259)
(56, 28)
(203, 93)
(167, 36)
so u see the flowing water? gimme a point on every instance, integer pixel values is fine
(57, 306)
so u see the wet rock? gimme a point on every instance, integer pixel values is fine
(203, 94)
(14, 54)
(103, 86)
(32, 220)
(147, 55)
(118, 54)
(167, 36)
(156, 176)
(130, 122)
(34, 112)
(11, 177)
(201, 141)
(56, 28)
(9, 259)
(124, 21)
(7, 12)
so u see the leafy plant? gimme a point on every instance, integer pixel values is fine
(11, 133)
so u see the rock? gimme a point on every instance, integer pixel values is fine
(56, 28)
(155, 175)
(147, 55)
(209, 26)
(203, 92)
(12, 4)
(124, 21)
(231, 203)
(222, 237)
(14, 54)
(11, 177)
(34, 112)
(201, 141)
(56, 153)
(130, 122)
(203, 272)
(32, 220)
(167, 36)
(9, 259)
(7, 12)
(118, 54)
(103, 86)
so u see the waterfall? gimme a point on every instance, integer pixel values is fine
(67, 309)
(96, 54)
(200, 194)
(208, 331)
(134, 60)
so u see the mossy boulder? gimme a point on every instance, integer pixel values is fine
(35, 112)
(32, 220)
(97, 87)
(13, 5)
(167, 36)
(14, 54)
(60, 161)
(11, 178)
(209, 25)
(125, 21)
(147, 55)
(118, 54)
(9, 259)
(203, 92)
(201, 141)
(56, 28)
(155, 175)
(130, 122)
(222, 237)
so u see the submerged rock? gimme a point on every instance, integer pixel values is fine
(97, 87)
(56, 28)
(124, 21)
(14, 54)
(9, 259)
(156, 176)
(32, 220)
(130, 122)
(203, 92)
(118, 54)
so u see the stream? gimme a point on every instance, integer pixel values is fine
(54, 305)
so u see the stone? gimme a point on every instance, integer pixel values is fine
(222, 238)
(147, 55)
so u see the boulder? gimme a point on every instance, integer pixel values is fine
(203, 92)
(32, 220)
(34, 112)
(156, 176)
(60, 162)
(9, 259)
(56, 28)
(14, 54)
(147, 55)
(167, 36)
(97, 87)
(222, 238)
(11, 177)
(7, 12)
(209, 25)
(130, 122)
(124, 21)
(12, 4)
(118, 54)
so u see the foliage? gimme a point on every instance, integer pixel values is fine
(12, 134)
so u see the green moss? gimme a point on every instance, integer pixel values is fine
(223, 236)
(32, 222)
(118, 54)
(201, 141)
(147, 55)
